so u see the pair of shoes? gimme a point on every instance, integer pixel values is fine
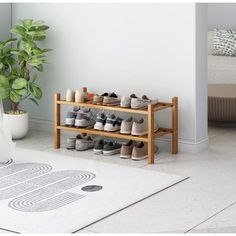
(136, 103)
(136, 151)
(78, 96)
(135, 127)
(109, 123)
(80, 118)
(82, 142)
(106, 99)
(106, 148)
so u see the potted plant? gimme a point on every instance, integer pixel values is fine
(18, 67)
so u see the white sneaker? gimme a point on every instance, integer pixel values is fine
(70, 95)
(113, 123)
(137, 103)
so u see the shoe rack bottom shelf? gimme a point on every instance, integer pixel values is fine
(149, 138)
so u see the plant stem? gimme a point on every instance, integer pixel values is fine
(14, 106)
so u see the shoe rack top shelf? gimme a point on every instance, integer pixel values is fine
(159, 106)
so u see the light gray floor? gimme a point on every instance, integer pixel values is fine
(205, 203)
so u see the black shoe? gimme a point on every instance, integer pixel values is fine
(98, 146)
(111, 148)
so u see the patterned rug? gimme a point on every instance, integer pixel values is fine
(42, 192)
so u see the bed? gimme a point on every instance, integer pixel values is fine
(221, 86)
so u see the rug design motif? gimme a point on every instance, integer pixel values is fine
(34, 189)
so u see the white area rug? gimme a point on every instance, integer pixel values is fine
(50, 193)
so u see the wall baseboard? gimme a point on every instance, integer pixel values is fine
(164, 143)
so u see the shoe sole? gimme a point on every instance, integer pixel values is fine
(111, 128)
(83, 123)
(97, 151)
(112, 152)
(125, 132)
(125, 157)
(139, 158)
(99, 127)
(139, 134)
(70, 122)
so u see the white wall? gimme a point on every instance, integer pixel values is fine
(5, 26)
(5, 19)
(141, 48)
(222, 15)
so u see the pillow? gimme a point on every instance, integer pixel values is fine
(224, 42)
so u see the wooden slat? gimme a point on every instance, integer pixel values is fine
(113, 108)
(104, 133)
(162, 106)
(57, 121)
(175, 125)
(162, 132)
(151, 136)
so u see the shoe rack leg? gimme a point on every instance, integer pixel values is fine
(175, 125)
(57, 121)
(150, 134)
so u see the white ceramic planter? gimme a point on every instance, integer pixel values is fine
(18, 125)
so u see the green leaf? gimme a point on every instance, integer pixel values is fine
(26, 46)
(27, 23)
(37, 92)
(35, 101)
(19, 83)
(4, 93)
(4, 82)
(39, 67)
(34, 62)
(34, 78)
(46, 50)
(15, 97)
(38, 23)
(1, 65)
(21, 91)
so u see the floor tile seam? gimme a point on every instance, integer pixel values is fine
(210, 217)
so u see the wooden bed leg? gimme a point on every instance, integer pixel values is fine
(57, 121)
(175, 125)
(150, 134)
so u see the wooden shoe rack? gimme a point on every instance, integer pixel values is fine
(150, 112)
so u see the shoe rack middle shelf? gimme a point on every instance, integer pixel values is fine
(117, 134)
(150, 111)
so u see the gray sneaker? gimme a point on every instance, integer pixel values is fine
(111, 148)
(112, 99)
(70, 118)
(137, 103)
(84, 119)
(84, 144)
(70, 143)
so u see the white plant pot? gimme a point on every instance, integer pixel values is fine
(18, 125)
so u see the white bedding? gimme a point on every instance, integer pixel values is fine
(221, 70)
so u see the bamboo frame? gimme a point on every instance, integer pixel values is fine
(150, 112)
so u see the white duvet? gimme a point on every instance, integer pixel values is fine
(7, 147)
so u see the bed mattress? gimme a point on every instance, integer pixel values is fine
(221, 70)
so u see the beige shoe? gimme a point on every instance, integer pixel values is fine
(126, 126)
(139, 127)
(70, 95)
(126, 150)
(97, 99)
(140, 151)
